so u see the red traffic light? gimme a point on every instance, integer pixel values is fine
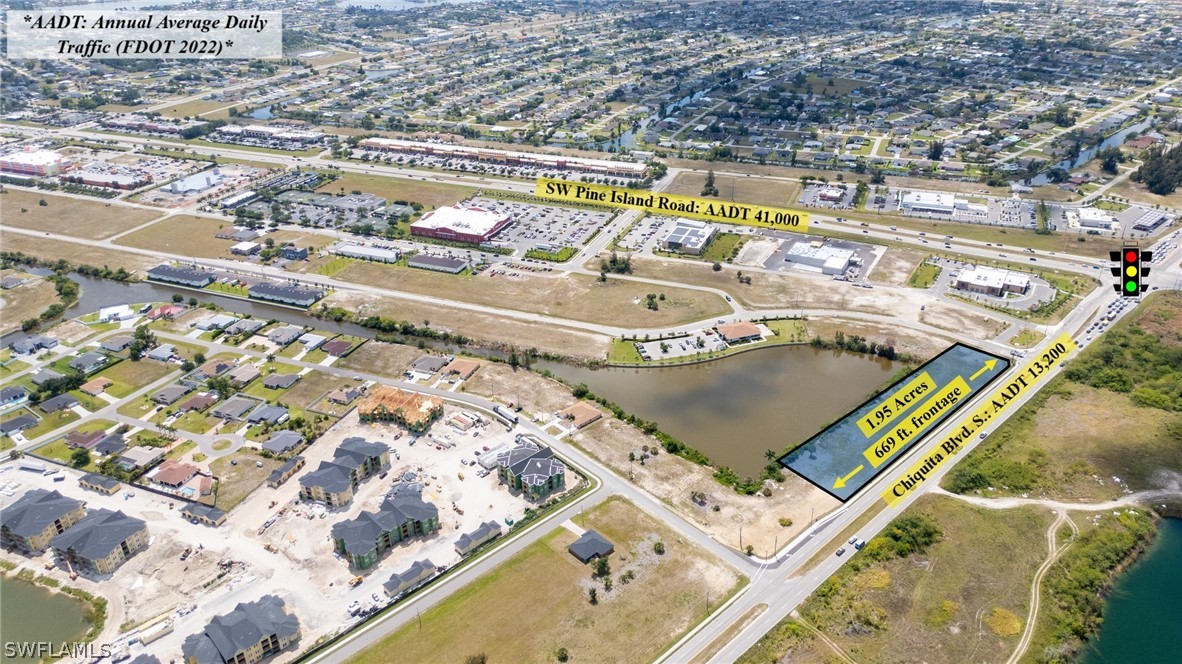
(1131, 256)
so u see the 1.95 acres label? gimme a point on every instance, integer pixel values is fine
(89, 34)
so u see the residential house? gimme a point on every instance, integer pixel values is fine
(215, 368)
(363, 539)
(291, 253)
(116, 344)
(531, 469)
(99, 483)
(419, 572)
(246, 325)
(174, 474)
(344, 395)
(460, 367)
(428, 365)
(234, 408)
(216, 322)
(111, 444)
(249, 633)
(485, 532)
(163, 353)
(353, 461)
(165, 311)
(43, 376)
(244, 374)
(140, 457)
(282, 442)
(268, 414)
(204, 514)
(17, 424)
(581, 414)
(30, 523)
(282, 336)
(284, 472)
(337, 347)
(117, 312)
(197, 402)
(589, 546)
(32, 344)
(60, 402)
(12, 395)
(169, 395)
(85, 441)
(88, 362)
(101, 541)
(278, 381)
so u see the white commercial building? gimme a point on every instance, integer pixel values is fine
(817, 256)
(1095, 218)
(688, 237)
(45, 163)
(462, 223)
(831, 194)
(928, 202)
(992, 281)
(511, 157)
(367, 253)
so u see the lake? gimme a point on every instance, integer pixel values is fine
(1142, 617)
(735, 408)
(32, 613)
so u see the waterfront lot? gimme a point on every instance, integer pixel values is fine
(76, 217)
(25, 301)
(574, 296)
(537, 601)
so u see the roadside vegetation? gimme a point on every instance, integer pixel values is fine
(1115, 411)
(924, 276)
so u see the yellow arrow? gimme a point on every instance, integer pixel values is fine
(842, 480)
(989, 364)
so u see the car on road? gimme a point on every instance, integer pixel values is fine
(859, 544)
(841, 552)
(854, 539)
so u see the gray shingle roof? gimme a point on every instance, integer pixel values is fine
(245, 626)
(100, 480)
(60, 402)
(98, 534)
(282, 441)
(361, 534)
(418, 572)
(591, 544)
(480, 534)
(200, 510)
(35, 511)
(266, 413)
(280, 381)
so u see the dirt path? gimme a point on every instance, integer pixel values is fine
(1035, 592)
(841, 654)
(1006, 503)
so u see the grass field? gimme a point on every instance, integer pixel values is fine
(724, 247)
(76, 217)
(498, 619)
(940, 601)
(1027, 338)
(381, 358)
(1138, 193)
(131, 376)
(236, 482)
(182, 234)
(430, 194)
(192, 109)
(741, 189)
(924, 276)
(1072, 439)
(578, 297)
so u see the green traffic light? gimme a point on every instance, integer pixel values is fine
(1131, 286)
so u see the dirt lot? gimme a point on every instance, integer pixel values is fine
(666, 476)
(239, 480)
(381, 358)
(577, 297)
(905, 340)
(744, 189)
(1139, 193)
(508, 625)
(70, 332)
(183, 234)
(53, 249)
(896, 266)
(23, 302)
(90, 219)
(956, 319)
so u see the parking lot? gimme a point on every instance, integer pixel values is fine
(1040, 289)
(701, 341)
(837, 196)
(546, 227)
(645, 234)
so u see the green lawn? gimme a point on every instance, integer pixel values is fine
(137, 408)
(10, 367)
(1027, 338)
(334, 265)
(623, 352)
(924, 276)
(48, 423)
(228, 289)
(59, 451)
(561, 256)
(724, 247)
(195, 422)
(132, 376)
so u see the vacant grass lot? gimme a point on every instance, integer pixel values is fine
(741, 189)
(76, 217)
(1027, 338)
(724, 247)
(937, 602)
(183, 234)
(924, 276)
(537, 601)
(237, 481)
(430, 194)
(131, 376)
(577, 296)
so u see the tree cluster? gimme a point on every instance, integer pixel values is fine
(1161, 170)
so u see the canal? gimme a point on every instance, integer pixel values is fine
(1142, 620)
(734, 409)
(31, 613)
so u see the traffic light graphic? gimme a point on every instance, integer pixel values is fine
(1132, 271)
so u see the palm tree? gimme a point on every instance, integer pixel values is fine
(769, 455)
